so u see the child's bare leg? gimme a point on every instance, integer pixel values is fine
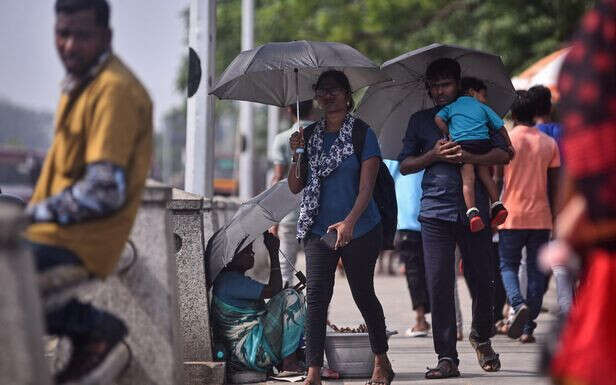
(483, 172)
(468, 184)
(468, 190)
(498, 212)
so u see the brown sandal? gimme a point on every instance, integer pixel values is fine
(445, 368)
(527, 339)
(486, 356)
(389, 376)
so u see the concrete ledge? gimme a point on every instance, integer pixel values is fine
(201, 373)
(246, 377)
(186, 219)
(21, 330)
(144, 296)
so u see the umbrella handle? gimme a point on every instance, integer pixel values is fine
(299, 151)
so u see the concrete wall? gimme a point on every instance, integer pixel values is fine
(145, 296)
(158, 290)
(21, 335)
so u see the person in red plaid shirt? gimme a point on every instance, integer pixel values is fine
(587, 223)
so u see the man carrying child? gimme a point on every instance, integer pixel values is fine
(445, 224)
(468, 121)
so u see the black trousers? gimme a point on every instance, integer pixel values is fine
(500, 295)
(74, 319)
(359, 259)
(439, 242)
(410, 248)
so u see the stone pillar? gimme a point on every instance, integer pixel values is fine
(144, 295)
(21, 334)
(191, 230)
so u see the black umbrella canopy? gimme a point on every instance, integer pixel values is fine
(388, 106)
(269, 74)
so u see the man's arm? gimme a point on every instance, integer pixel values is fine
(99, 193)
(443, 151)
(279, 173)
(497, 155)
(494, 156)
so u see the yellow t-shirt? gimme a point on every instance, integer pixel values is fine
(109, 120)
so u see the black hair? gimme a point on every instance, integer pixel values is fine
(470, 83)
(523, 108)
(100, 7)
(443, 68)
(305, 108)
(342, 80)
(542, 99)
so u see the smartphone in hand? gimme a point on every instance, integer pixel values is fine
(330, 239)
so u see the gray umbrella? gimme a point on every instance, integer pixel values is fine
(388, 106)
(270, 73)
(251, 220)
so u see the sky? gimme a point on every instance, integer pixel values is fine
(148, 35)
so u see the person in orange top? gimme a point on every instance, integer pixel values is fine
(86, 199)
(529, 223)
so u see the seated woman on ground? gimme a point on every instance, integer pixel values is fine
(256, 334)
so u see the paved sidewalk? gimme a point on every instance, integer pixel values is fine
(410, 356)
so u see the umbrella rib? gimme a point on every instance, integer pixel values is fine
(412, 72)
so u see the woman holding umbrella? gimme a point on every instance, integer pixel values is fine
(338, 199)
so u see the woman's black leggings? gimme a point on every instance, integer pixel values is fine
(359, 259)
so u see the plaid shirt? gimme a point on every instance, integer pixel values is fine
(587, 84)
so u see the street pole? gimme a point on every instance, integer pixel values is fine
(199, 172)
(246, 169)
(273, 123)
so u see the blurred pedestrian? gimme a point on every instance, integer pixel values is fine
(541, 97)
(531, 214)
(286, 230)
(90, 187)
(337, 197)
(587, 224)
(444, 224)
(408, 244)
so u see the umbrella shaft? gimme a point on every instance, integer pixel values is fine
(287, 259)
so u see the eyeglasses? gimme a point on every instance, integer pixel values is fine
(333, 91)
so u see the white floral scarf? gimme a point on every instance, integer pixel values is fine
(322, 164)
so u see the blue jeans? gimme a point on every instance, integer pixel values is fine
(511, 243)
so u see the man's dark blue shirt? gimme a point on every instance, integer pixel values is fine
(442, 184)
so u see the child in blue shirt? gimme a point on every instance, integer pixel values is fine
(468, 121)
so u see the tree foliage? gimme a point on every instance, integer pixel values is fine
(520, 31)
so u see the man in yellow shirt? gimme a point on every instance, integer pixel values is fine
(90, 187)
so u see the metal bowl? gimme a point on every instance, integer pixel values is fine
(350, 354)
